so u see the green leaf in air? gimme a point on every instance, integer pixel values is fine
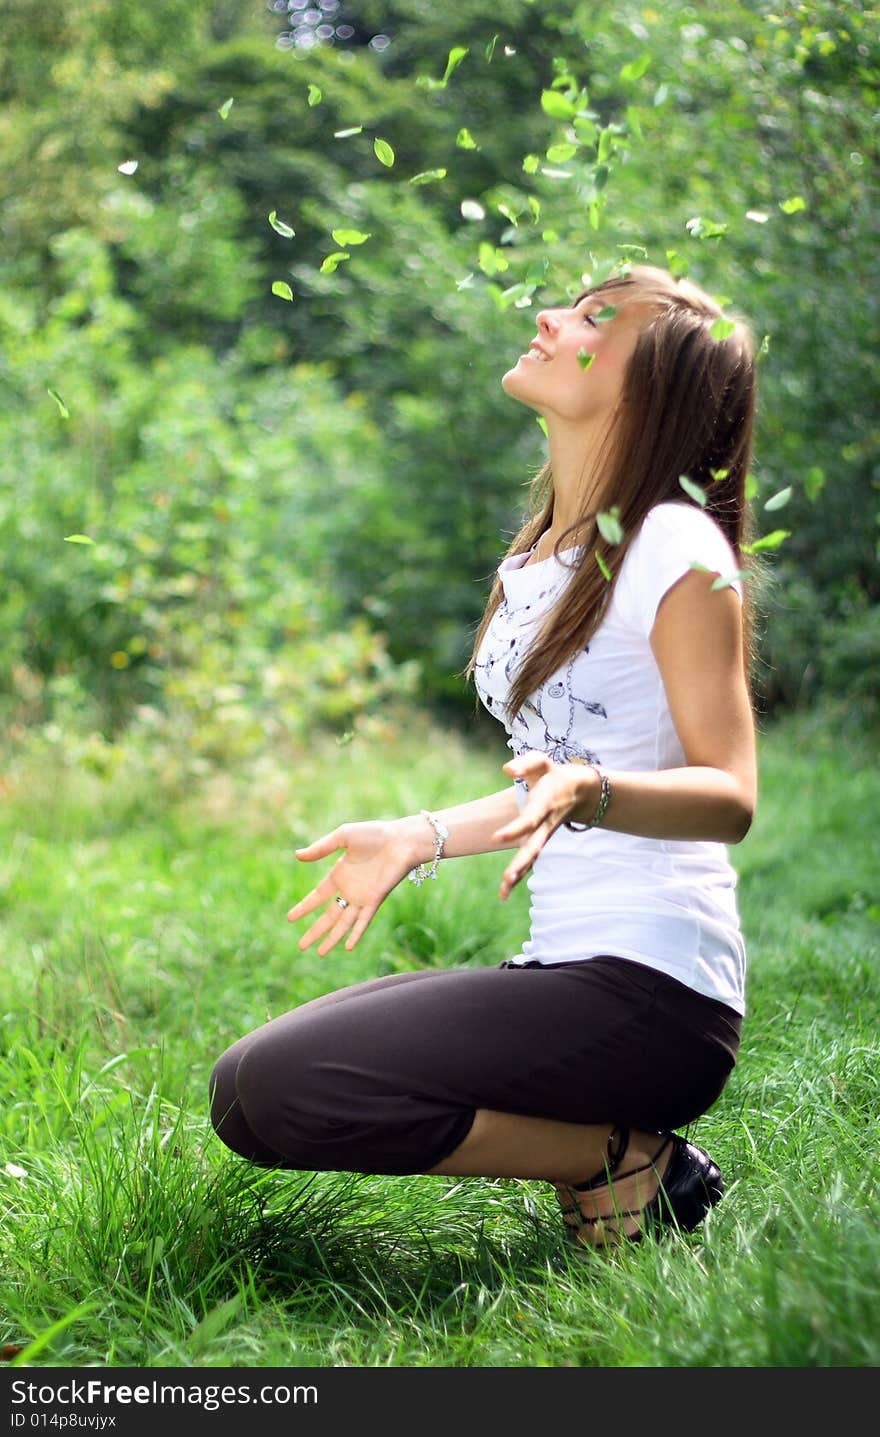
(78, 539)
(557, 106)
(752, 489)
(677, 264)
(490, 49)
(763, 347)
(693, 489)
(282, 289)
(465, 140)
(558, 154)
(535, 207)
(426, 177)
(331, 262)
(722, 329)
(279, 226)
(456, 55)
(602, 565)
(701, 228)
(508, 214)
(384, 153)
(492, 261)
(635, 69)
(344, 134)
(719, 474)
(315, 94)
(531, 163)
(585, 359)
(779, 501)
(769, 541)
(542, 425)
(814, 483)
(610, 526)
(608, 311)
(605, 141)
(347, 237)
(724, 579)
(634, 122)
(62, 407)
(226, 107)
(791, 207)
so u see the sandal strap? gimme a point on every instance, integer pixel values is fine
(618, 1142)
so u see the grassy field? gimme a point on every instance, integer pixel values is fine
(142, 922)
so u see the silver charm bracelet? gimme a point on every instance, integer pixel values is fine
(422, 871)
(604, 800)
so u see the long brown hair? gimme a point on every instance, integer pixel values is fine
(687, 409)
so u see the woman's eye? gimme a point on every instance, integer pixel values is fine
(590, 319)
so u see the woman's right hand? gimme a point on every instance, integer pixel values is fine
(374, 857)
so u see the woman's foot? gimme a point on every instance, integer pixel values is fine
(647, 1186)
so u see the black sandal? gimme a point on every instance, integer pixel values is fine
(690, 1186)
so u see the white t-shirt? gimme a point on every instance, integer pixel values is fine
(667, 903)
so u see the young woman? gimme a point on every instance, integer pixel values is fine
(618, 661)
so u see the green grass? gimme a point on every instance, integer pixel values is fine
(142, 927)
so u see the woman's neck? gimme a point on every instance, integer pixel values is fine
(579, 461)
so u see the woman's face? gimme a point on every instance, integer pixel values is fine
(575, 366)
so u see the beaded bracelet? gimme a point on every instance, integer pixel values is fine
(422, 871)
(604, 800)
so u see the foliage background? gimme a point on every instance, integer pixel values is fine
(296, 507)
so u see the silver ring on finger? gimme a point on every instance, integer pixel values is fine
(343, 902)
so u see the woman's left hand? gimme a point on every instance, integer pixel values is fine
(555, 791)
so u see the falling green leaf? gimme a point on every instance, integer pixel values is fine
(279, 226)
(456, 55)
(634, 122)
(531, 163)
(769, 541)
(814, 482)
(602, 565)
(347, 237)
(608, 311)
(585, 359)
(693, 489)
(779, 501)
(605, 141)
(722, 329)
(610, 526)
(425, 177)
(677, 264)
(635, 69)
(467, 282)
(315, 94)
(331, 262)
(719, 474)
(465, 140)
(791, 207)
(508, 214)
(724, 579)
(384, 153)
(593, 212)
(764, 346)
(752, 488)
(344, 134)
(705, 229)
(542, 425)
(491, 260)
(490, 49)
(63, 409)
(282, 289)
(226, 107)
(558, 154)
(518, 295)
(557, 106)
(586, 131)
(535, 207)
(78, 539)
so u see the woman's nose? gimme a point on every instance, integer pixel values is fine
(547, 320)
